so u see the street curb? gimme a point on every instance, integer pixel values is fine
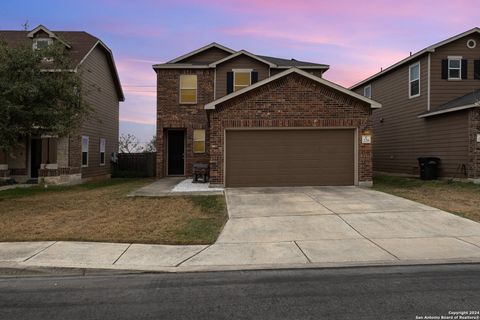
(22, 269)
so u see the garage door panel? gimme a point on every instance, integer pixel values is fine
(289, 157)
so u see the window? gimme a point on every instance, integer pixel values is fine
(454, 68)
(103, 142)
(198, 141)
(414, 80)
(84, 151)
(367, 91)
(241, 79)
(41, 43)
(188, 89)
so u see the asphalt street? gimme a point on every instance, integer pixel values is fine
(348, 293)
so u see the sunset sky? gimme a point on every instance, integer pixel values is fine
(355, 38)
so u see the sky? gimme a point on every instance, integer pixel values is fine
(356, 38)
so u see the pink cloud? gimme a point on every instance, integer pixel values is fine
(139, 84)
(272, 32)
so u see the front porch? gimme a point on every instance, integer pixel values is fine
(42, 159)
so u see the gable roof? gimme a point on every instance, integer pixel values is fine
(470, 100)
(373, 104)
(52, 35)
(80, 43)
(287, 63)
(208, 46)
(272, 62)
(242, 52)
(416, 55)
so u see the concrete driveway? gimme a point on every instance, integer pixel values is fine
(336, 225)
(285, 228)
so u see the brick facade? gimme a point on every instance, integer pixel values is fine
(474, 145)
(188, 117)
(292, 101)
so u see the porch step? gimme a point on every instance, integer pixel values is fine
(32, 181)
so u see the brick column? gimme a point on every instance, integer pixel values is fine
(49, 165)
(160, 169)
(474, 149)
(4, 172)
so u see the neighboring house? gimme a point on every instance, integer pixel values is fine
(259, 121)
(86, 153)
(430, 108)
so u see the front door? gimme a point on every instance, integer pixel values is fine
(176, 153)
(35, 157)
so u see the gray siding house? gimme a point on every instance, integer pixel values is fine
(430, 108)
(86, 153)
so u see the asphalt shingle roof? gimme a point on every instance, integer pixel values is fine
(81, 42)
(470, 99)
(292, 62)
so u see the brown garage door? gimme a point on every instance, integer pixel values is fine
(289, 157)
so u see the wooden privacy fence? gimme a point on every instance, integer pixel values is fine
(135, 165)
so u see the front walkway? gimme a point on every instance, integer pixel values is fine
(175, 186)
(286, 228)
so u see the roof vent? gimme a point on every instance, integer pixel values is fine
(471, 44)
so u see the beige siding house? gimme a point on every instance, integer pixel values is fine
(86, 153)
(430, 108)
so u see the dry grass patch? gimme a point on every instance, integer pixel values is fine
(460, 198)
(100, 211)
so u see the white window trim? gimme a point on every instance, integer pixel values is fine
(241, 71)
(49, 40)
(459, 58)
(88, 153)
(365, 88)
(204, 141)
(180, 89)
(410, 80)
(104, 153)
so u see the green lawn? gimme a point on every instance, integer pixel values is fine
(461, 198)
(100, 211)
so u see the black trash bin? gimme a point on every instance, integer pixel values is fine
(428, 167)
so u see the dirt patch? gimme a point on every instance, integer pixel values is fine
(102, 212)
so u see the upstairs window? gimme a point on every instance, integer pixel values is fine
(188, 89)
(241, 79)
(454, 68)
(85, 151)
(41, 43)
(367, 91)
(198, 141)
(103, 143)
(414, 80)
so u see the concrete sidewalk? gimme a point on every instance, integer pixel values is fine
(285, 228)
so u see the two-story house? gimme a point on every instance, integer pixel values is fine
(260, 121)
(85, 154)
(430, 108)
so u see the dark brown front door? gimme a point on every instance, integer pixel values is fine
(176, 152)
(258, 158)
(35, 157)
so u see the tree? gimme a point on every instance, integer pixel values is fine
(40, 94)
(151, 146)
(128, 143)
